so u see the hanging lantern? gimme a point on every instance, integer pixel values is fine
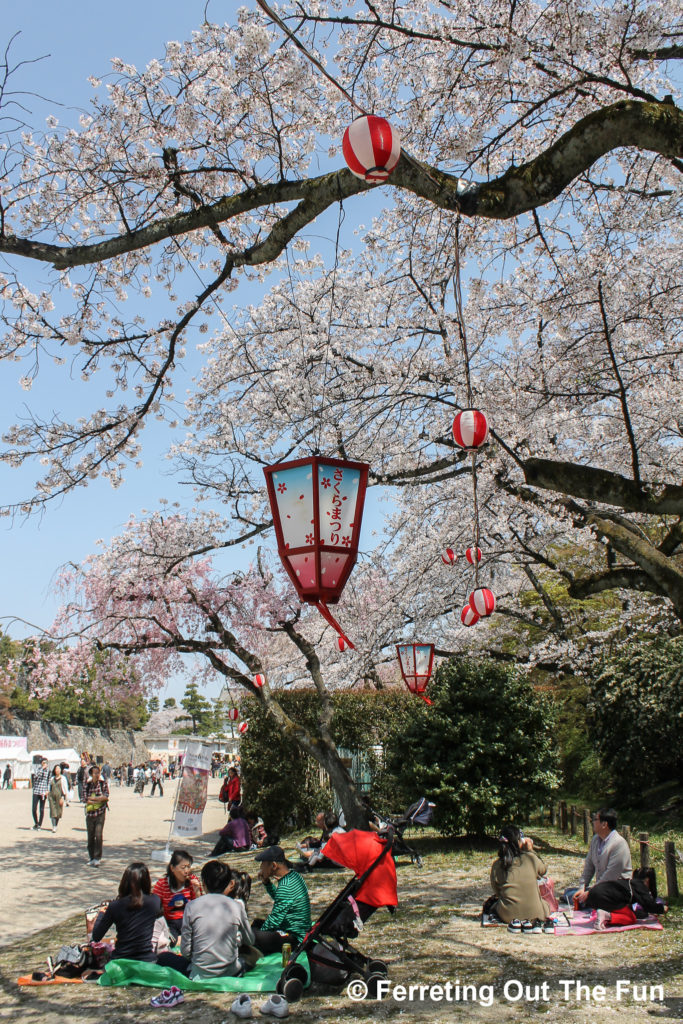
(259, 681)
(341, 643)
(470, 429)
(448, 556)
(233, 714)
(470, 555)
(469, 617)
(317, 507)
(415, 661)
(242, 727)
(371, 148)
(483, 602)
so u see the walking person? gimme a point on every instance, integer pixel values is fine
(157, 780)
(41, 785)
(96, 798)
(57, 795)
(7, 778)
(82, 777)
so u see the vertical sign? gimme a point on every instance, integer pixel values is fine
(192, 790)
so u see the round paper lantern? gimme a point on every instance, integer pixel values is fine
(469, 555)
(242, 727)
(259, 680)
(371, 148)
(448, 556)
(483, 602)
(341, 643)
(233, 714)
(468, 616)
(470, 429)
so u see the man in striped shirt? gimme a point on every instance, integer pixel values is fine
(290, 918)
(41, 784)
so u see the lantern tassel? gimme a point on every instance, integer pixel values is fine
(426, 699)
(329, 617)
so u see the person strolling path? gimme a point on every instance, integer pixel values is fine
(96, 796)
(41, 785)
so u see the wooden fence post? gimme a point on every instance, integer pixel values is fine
(553, 815)
(586, 825)
(670, 865)
(626, 833)
(572, 819)
(563, 815)
(644, 839)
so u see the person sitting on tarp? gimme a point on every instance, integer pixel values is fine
(134, 914)
(312, 853)
(178, 886)
(290, 918)
(609, 859)
(236, 835)
(214, 927)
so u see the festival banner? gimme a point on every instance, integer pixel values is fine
(192, 791)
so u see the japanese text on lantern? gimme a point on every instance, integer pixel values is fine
(336, 515)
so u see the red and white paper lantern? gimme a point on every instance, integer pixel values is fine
(448, 556)
(259, 680)
(470, 429)
(470, 555)
(341, 643)
(233, 714)
(468, 616)
(483, 602)
(371, 148)
(242, 727)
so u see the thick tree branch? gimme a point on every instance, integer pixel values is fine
(657, 127)
(623, 578)
(601, 485)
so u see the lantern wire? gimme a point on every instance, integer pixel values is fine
(460, 316)
(328, 343)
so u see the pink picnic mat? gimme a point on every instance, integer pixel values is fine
(584, 922)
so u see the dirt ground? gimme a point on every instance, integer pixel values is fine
(434, 939)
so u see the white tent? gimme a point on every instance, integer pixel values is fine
(59, 755)
(20, 762)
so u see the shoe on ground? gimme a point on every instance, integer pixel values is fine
(515, 926)
(93, 863)
(527, 927)
(548, 926)
(537, 926)
(241, 1007)
(277, 1006)
(169, 997)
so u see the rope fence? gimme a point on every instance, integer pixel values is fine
(568, 819)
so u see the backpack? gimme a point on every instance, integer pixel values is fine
(223, 795)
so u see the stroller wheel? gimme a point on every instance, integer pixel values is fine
(378, 967)
(292, 990)
(372, 981)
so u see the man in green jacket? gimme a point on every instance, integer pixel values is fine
(290, 918)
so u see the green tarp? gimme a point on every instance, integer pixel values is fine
(262, 978)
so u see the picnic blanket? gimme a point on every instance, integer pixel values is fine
(584, 922)
(26, 979)
(262, 978)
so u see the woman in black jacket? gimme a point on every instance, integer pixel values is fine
(134, 914)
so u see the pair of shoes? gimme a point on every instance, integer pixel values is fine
(515, 926)
(93, 863)
(527, 927)
(36, 828)
(548, 926)
(537, 926)
(169, 997)
(54, 828)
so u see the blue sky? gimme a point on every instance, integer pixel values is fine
(78, 39)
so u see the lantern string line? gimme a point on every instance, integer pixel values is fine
(314, 60)
(328, 343)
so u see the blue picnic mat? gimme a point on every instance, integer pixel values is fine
(261, 978)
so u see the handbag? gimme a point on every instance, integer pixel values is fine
(546, 890)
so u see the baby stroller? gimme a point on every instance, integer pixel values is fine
(331, 957)
(419, 813)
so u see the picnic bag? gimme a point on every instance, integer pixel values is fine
(546, 890)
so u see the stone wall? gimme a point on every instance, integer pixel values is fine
(118, 746)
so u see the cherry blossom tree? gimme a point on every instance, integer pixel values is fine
(527, 259)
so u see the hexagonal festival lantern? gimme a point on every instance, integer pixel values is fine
(415, 661)
(317, 505)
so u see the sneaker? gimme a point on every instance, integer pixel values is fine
(277, 1006)
(527, 927)
(515, 926)
(242, 1006)
(537, 926)
(169, 997)
(92, 863)
(548, 926)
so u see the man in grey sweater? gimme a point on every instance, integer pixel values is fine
(214, 928)
(609, 857)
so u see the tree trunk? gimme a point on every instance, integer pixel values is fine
(343, 785)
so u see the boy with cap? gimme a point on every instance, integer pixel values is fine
(290, 918)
